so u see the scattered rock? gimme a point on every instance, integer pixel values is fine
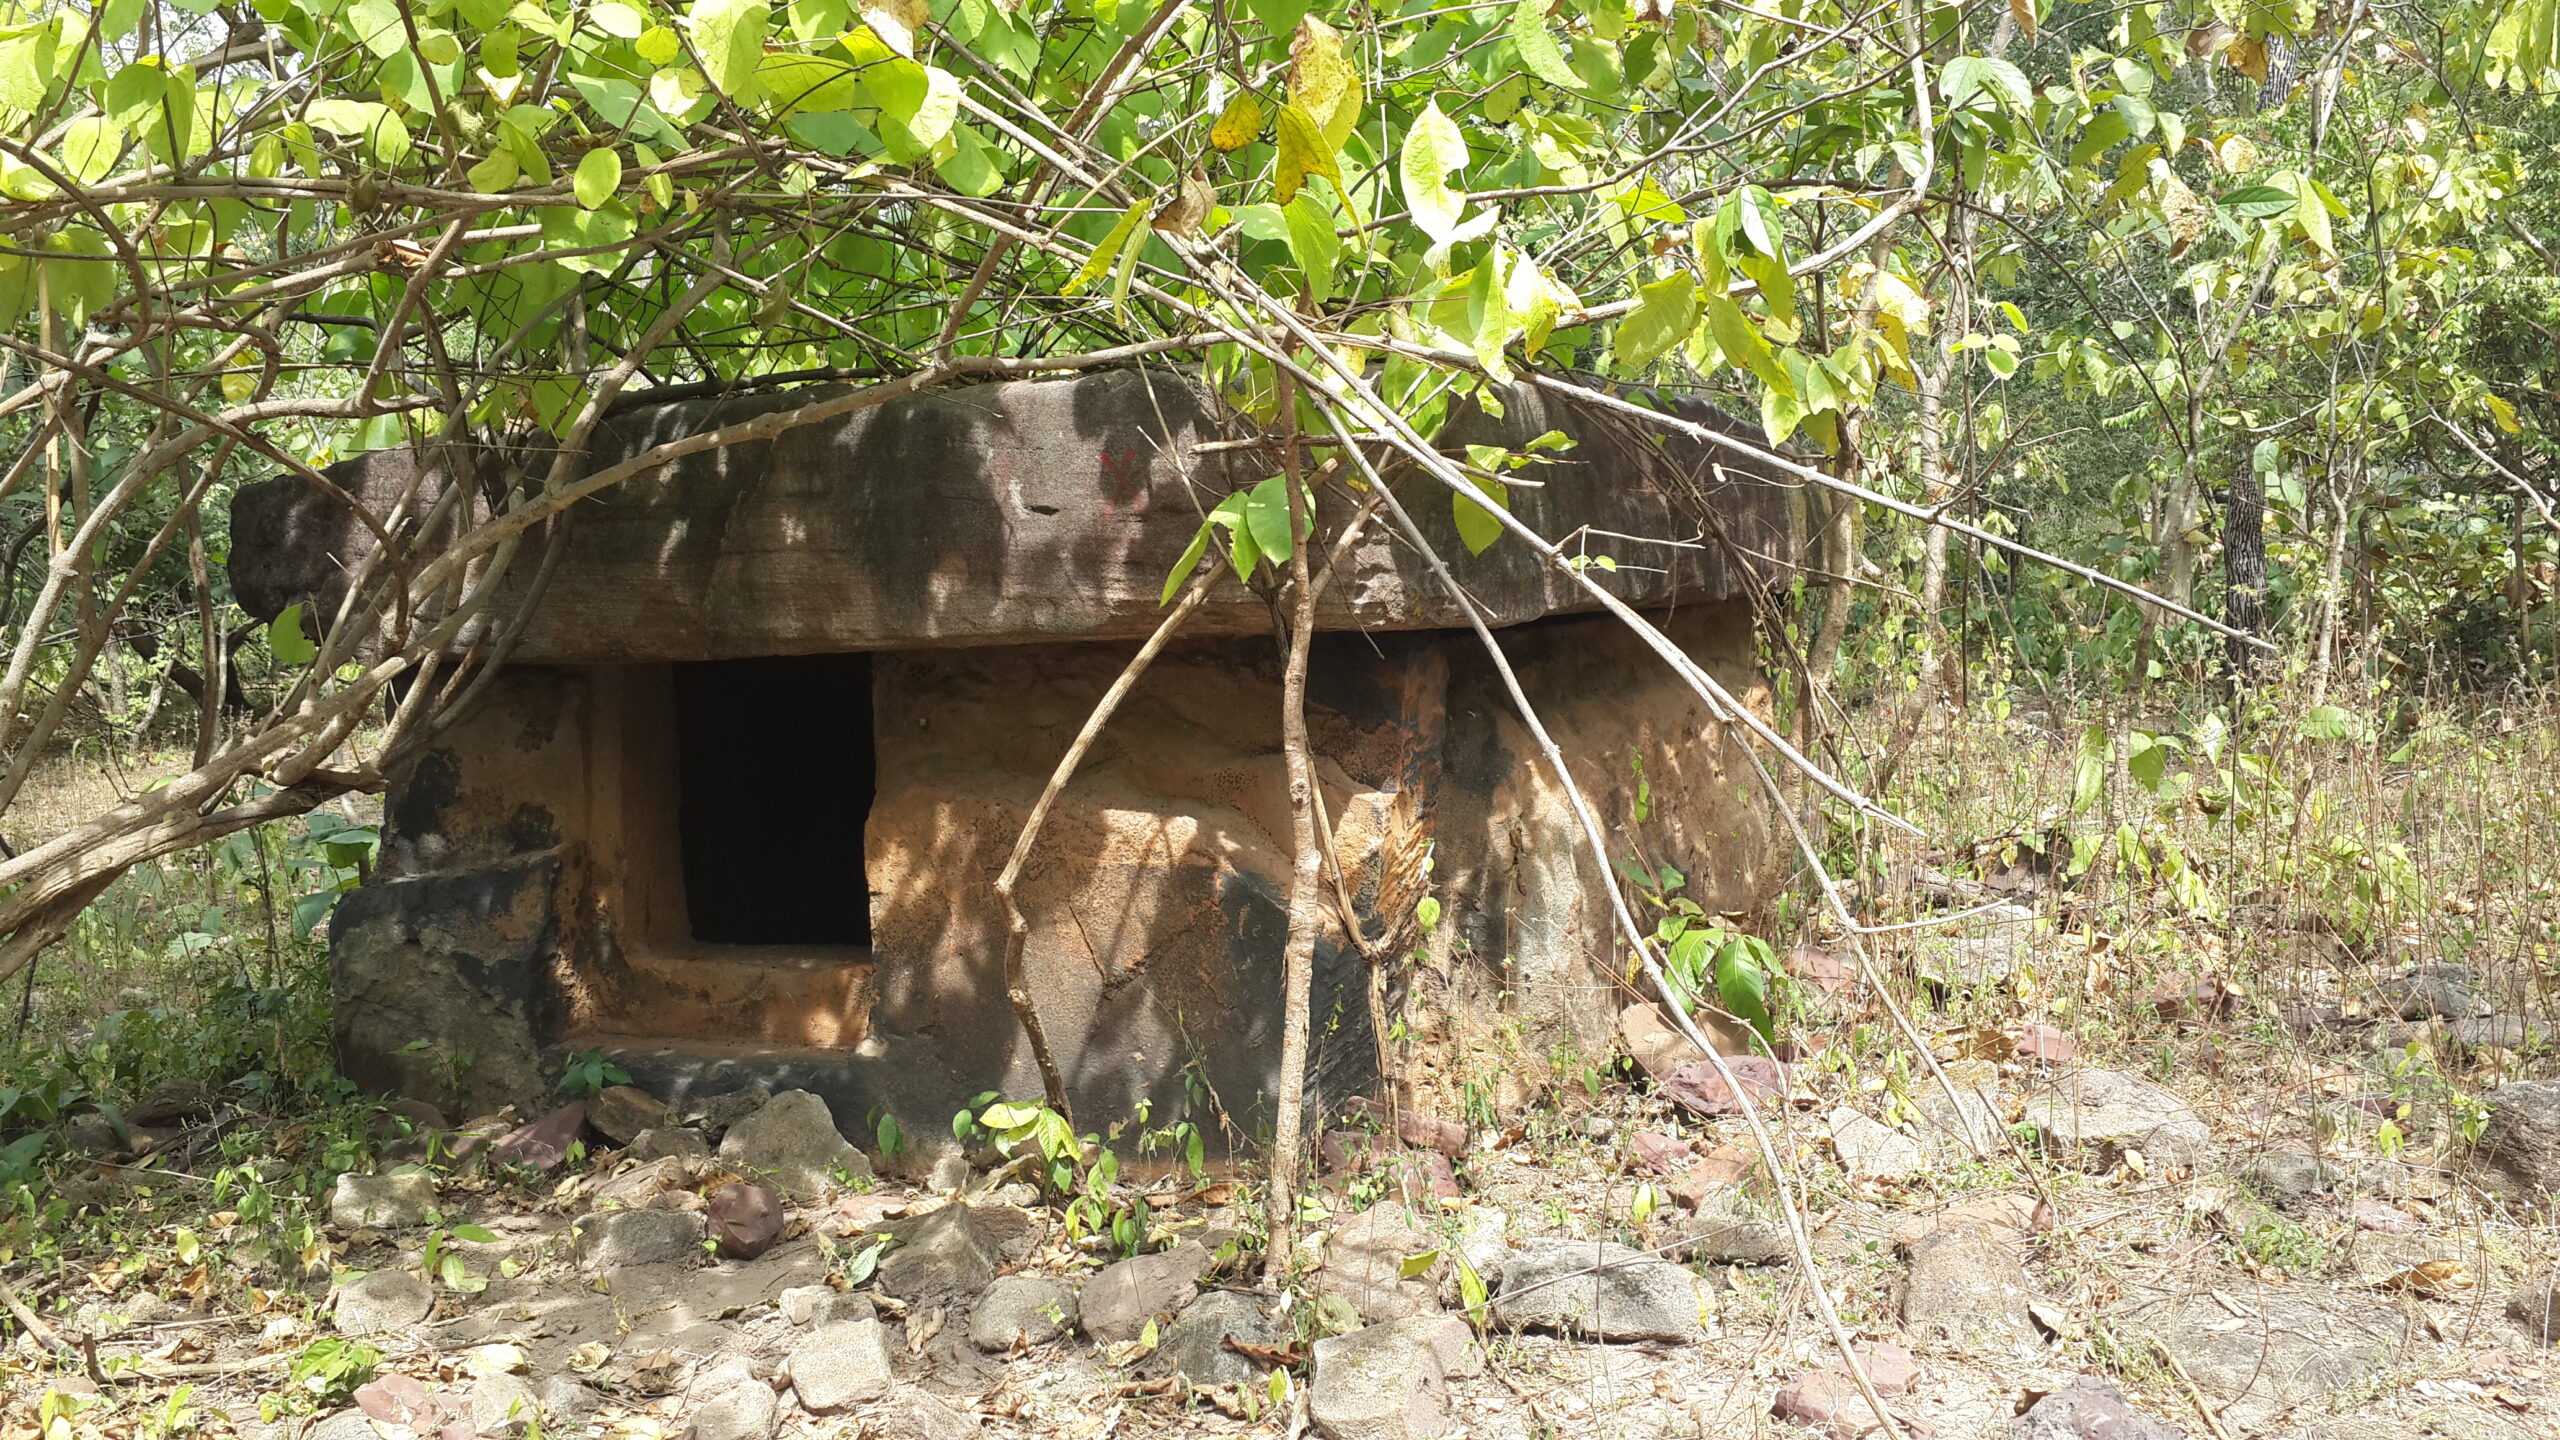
(642, 1184)
(793, 1138)
(1364, 1260)
(840, 1365)
(824, 1305)
(950, 1174)
(2536, 1307)
(1484, 1244)
(1118, 1302)
(1626, 1294)
(2045, 1043)
(918, 1416)
(503, 1404)
(345, 1425)
(943, 1256)
(2089, 1409)
(714, 1114)
(673, 1142)
(1658, 1049)
(2429, 992)
(1869, 1150)
(1348, 1152)
(744, 1410)
(1660, 1153)
(1728, 1231)
(2500, 1032)
(2520, 1148)
(1968, 1287)
(383, 1301)
(2294, 1350)
(391, 1201)
(614, 1238)
(1828, 1402)
(2010, 1217)
(2099, 1114)
(621, 1112)
(1700, 1088)
(1723, 1169)
(744, 1220)
(1022, 1309)
(2384, 1218)
(1890, 1368)
(2289, 1176)
(1428, 1133)
(1382, 1382)
(544, 1143)
(1195, 1345)
(567, 1401)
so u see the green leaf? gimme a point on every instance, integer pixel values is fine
(91, 145)
(1099, 263)
(475, 1234)
(1266, 517)
(1190, 561)
(496, 174)
(1540, 55)
(1742, 343)
(599, 176)
(1742, 984)
(1666, 311)
(286, 641)
(1314, 244)
(2258, 202)
(1478, 526)
(1433, 146)
(1417, 1264)
(729, 36)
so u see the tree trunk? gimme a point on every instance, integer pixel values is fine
(2332, 586)
(2244, 571)
(1306, 897)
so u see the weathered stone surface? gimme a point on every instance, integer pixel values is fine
(502, 1404)
(1364, 1259)
(1195, 1345)
(713, 1114)
(2089, 1409)
(2536, 1307)
(2296, 1349)
(345, 1425)
(620, 1112)
(2097, 1115)
(841, 1365)
(673, 1142)
(1872, 1151)
(2429, 992)
(1827, 1402)
(1701, 1088)
(610, 1239)
(1381, 1382)
(382, 1302)
(2289, 1175)
(950, 1173)
(454, 959)
(1625, 1294)
(390, 1201)
(1968, 1287)
(979, 525)
(566, 1399)
(943, 1256)
(744, 1410)
(1729, 1230)
(744, 1220)
(915, 1415)
(793, 1139)
(824, 1305)
(542, 1143)
(1022, 1309)
(2520, 1147)
(1117, 1303)
(641, 1184)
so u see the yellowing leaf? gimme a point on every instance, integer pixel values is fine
(91, 146)
(1540, 55)
(1743, 344)
(1098, 264)
(2503, 413)
(896, 22)
(1433, 147)
(1302, 153)
(599, 175)
(1322, 82)
(1237, 124)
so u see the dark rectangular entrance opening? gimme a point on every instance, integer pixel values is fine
(775, 772)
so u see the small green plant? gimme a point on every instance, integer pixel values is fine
(2275, 1243)
(325, 1375)
(439, 1262)
(588, 1073)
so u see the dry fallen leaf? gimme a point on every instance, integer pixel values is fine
(2435, 1279)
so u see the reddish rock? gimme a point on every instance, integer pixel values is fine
(1660, 1153)
(1446, 1136)
(544, 1143)
(2043, 1042)
(745, 1219)
(1890, 1368)
(1422, 1174)
(1820, 968)
(1701, 1089)
(1347, 1152)
(2384, 1218)
(1724, 1168)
